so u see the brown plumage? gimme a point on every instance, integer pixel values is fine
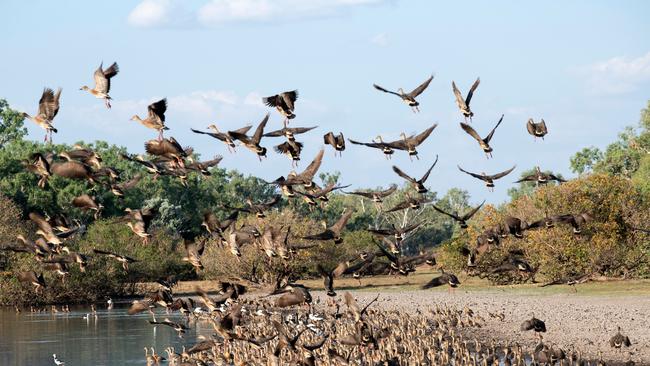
(540, 177)
(293, 295)
(410, 143)
(463, 104)
(103, 82)
(44, 229)
(484, 143)
(408, 98)
(462, 220)
(283, 102)
(72, 169)
(253, 142)
(155, 117)
(123, 259)
(537, 130)
(139, 222)
(410, 202)
(225, 137)
(86, 202)
(30, 277)
(168, 148)
(48, 107)
(377, 144)
(418, 184)
(333, 232)
(376, 196)
(335, 141)
(194, 251)
(445, 278)
(488, 179)
(619, 340)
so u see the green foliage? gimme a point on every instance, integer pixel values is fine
(528, 188)
(11, 124)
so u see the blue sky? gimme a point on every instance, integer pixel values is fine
(583, 66)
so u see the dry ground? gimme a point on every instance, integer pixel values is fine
(585, 319)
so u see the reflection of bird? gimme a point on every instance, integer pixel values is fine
(463, 104)
(57, 362)
(483, 142)
(488, 179)
(418, 184)
(103, 83)
(409, 98)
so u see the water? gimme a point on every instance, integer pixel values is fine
(114, 338)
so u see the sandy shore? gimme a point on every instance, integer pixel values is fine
(584, 322)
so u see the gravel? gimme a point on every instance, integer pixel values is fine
(584, 322)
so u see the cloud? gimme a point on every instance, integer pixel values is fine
(150, 13)
(618, 75)
(224, 11)
(380, 40)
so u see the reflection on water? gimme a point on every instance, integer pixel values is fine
(113, 338)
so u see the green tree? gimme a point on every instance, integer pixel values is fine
(11, 124)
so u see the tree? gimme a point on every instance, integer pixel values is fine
(11, 124)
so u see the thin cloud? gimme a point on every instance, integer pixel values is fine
(380, 40)
(225, 11)
(618, 75)
(150, 13)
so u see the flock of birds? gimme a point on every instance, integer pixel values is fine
(245, 333)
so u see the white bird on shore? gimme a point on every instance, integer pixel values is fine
(57, 361)
(110, 303)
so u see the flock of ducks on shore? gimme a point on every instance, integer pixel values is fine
(381, 337)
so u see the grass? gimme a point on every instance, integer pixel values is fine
(424, 274)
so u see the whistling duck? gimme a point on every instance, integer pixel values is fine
(336, 141)
(408, 98)
(72, 169)
(170, 149)
(445, 278)
(333, 232)
(85, 155)
(488, 179)
(289, 132)
(32, 278)
(103, 83)
(619, 340)
(533, 324)
(194, 252)
(86, 202)
(141, 220)
(376, 196)
(48, 107)
(537, 129)
(284, 103)
(155, 118)
(463, 104)
(119, 189)
(290, 148)
(483, 143)
(462, 220)
(540, 177)
(45, 229)
(397, 232)
(384, 146)
(258, 209)
(410, 143)
(410, 202)
(224, 137)
(39, 165)
(253, 142)
(419, 183)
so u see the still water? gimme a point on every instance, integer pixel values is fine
(113, 338)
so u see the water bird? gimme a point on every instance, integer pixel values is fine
(57, 362)
(155, 119)
(253, 142)
(484, 143)
(537, 130)
(418, 184)
(462, 220)
(335, 141)
(48, 108)
(408, 98)
(534, 324)
(463, 104)
(283, 102)
(332, 232)
(488, 179)
(619, 340)
(102, 79)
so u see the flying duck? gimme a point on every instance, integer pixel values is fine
(537, 129)
(253, 142)
(419, 183)
(48, 107)
(103, 83)
(385, 147)
(333, 232)
(225, 137)
(410, 143)
(445, 278)
(376, 196)
(462, 220)
(488, 179)
(123, 259)
(484, 143)
(463, 104)
(284, 103)
(408, 98)
(155, 117)
(410, 202)
(336, 141)
(540, 177)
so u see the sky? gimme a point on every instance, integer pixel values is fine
(583, 66)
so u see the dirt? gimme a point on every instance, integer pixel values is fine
(585, 323)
